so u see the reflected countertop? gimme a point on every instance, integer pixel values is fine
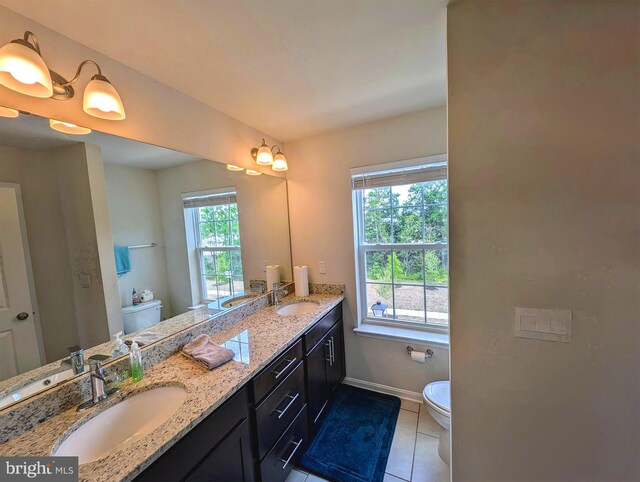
(257, 340)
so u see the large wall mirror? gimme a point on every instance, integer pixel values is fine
(101, 235)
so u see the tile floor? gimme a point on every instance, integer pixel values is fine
(414, 451)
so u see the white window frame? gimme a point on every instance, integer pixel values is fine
(361, 249)
(202, 250)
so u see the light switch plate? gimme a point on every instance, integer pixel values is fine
(542, 324)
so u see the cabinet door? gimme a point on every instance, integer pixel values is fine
(335, 364)
(317, 386)
(230, 461)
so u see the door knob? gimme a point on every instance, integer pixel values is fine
(22, 316)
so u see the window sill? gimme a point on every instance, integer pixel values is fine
(403, 334)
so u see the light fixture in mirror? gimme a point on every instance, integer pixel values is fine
(251, 172)
(232, 167)
(6, 112)
(197, 247)
(68, 128)
(22, 68)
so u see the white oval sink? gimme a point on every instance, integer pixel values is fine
(122, 424)
(298, 308)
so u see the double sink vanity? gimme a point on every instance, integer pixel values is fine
(249, 419)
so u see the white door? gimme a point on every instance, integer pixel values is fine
(19, 347)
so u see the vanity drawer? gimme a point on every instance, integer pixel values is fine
(276, 371)
(278, 463)
(317, 331)
(277, 411)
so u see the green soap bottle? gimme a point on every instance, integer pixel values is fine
(136, 362)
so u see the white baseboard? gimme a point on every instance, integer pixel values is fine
(376, 387)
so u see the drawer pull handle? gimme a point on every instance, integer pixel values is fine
(333, 350)
(330, 341)
(284, 410)
(328, 345)
(290, 362)
(293, 452)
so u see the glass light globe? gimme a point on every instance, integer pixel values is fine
(68, 128)
(23, 70)
(264, 157)
(6, 112)
(280, 162)
(102, 100)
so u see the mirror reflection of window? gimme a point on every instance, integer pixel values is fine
(216, 233)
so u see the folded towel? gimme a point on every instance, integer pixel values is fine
(206, 353)
(123, 264)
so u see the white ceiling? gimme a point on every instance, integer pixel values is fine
(32, 132)
(290, 68)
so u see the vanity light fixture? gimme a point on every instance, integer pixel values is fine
(68, 128)
(232, 167)
(263, 156)
(251, 172)
(6, 112)
(23, 69)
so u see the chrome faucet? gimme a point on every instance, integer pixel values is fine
(277, 294)
(76, 358)
(98, 380)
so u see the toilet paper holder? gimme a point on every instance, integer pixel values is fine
(429, 352)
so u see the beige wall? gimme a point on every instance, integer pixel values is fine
(34, 171)
(545, 212)
(81, 218)
(156, 114)
(134, 210)
(67, 226)
(322, 227)
(262, 212)
(104, 239)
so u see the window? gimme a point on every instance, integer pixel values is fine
(401, 227)
(216, 235)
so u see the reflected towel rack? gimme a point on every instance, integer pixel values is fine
(136, 246)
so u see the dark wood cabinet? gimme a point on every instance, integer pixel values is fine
(336, 366)
(259, 433)
(230, 460)
(325, 369)
(217, 449)
(317, 388)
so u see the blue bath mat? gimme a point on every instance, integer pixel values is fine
(354, 441)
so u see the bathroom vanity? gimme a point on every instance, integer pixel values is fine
(249, 419)
(259, 433)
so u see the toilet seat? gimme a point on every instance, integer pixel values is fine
(438, 395)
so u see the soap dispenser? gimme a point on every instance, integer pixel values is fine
(120, 348)
(136, 362)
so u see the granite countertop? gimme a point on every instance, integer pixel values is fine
(263, 336)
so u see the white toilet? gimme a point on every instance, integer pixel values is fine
(437, 397)
(139, 317)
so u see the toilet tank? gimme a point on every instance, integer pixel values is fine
(138, 317)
